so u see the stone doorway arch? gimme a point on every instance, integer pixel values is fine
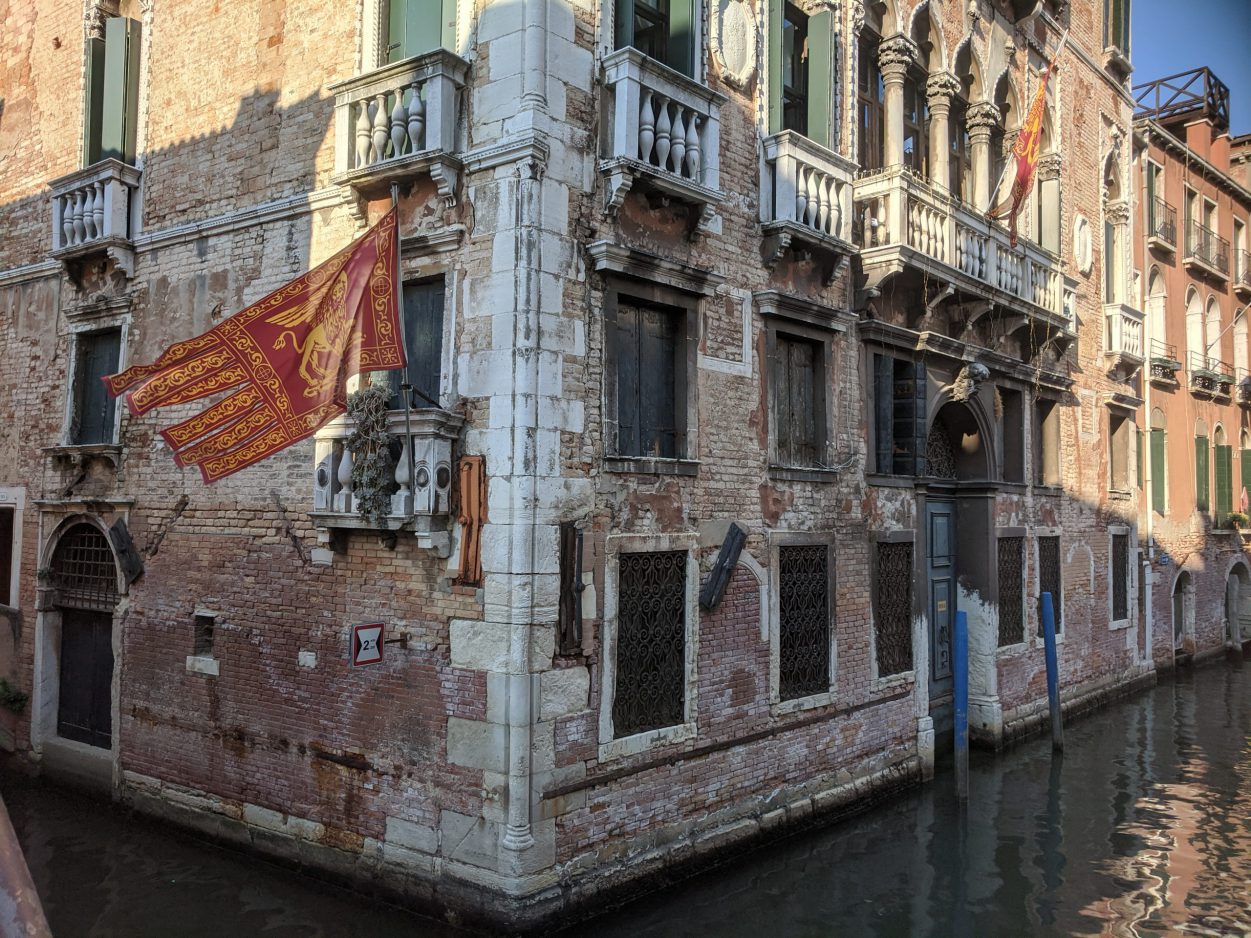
(1182, 606)
(1238, 603)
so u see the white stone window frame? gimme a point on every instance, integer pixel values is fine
(920, 640)
(614, 546)
(776, 541)
(1028, 557)
(371, 50)
(76, 331)
(608, 32)
(1037, 638)
(1131, 577)
(15, 497)
(208, 665)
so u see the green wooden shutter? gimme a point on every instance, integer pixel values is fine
(773, 35)
(820, 72)
(1138, 465)
(682, 37)
(1157, 470)
(623, 23)
(1224, 482)
(1244, 476)
(418, 26)
(119, 111)
(396, 15)
(93, 101)
(1201, 473)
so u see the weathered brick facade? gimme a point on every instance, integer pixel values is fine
(478, 768)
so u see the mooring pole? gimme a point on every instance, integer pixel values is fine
(1053, 673)
(960, 676)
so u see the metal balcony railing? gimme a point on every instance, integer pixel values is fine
(1208, 248)
(1162, 222)
(1196, 92)
(1242, 270)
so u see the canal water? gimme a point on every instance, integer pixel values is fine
(1142, 827)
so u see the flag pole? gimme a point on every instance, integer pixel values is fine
(405, 385)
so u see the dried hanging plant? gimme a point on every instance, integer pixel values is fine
(373, 472)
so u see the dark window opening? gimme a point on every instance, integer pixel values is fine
(799, 398)
(651, 642)
(916, 125)
(650, 360)
(1049, 579)
(1011, 590)
(899, 392)
(1120, 577)
(893, 607)
(202, 643)
(423, 343)
(112, 94)
(94, 411)
(1047, 443)
(871, 104)
(1013, 408)
(803, 621)
(661, 29)
(794, 69)
(961, 159)
(7, 516)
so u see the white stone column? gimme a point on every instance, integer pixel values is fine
(895, 56)
(982, 119)
(1049, 166)
(939, 91)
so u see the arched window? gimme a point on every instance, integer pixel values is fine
(1240, 343)
(1113, 234)
(1215, 340)
(1223, 458)
(1201, 466)
(870, 101)
(1157, 303)
(1158, 462)
(83, 570)
(1003, 136)
(1198, 356)
(961, 159)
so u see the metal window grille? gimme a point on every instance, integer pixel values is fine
(940, 458)
(894, 607)
(803, 621)
(651, 640)
(83, 570)
(1011, 591)
(1049, 579)
(1120, 576)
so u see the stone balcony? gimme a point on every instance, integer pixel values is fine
(1242, 274)
(399, 122)
(661, 132)
(902, 222)
(421, 503)
(1124, 350)
(1243, 387)
(1206, 252)
(1210, 377)
(1164, 364)
(805, 199)
(94, 213)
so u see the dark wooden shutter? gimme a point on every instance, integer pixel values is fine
(1109, 264)
(119, 114)
(773, 34)
(423, 339)
(1201, 473)
(682, 36)
(909, 417)
(93, 101)
(623, 23)
(797, 418)
(883, 411)
(6, 557)
(820, 71)
(93, 408)
(627, 348)
(1157, 471)
(1224, 482)
(780, 366)
(658, 425)
(919, 429)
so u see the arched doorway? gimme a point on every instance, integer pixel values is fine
(1181, 601)
(84, 577)
(1238, 603)
(956, 555)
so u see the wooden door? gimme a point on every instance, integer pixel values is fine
(85, 708)
(941, 533)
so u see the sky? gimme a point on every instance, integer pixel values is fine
(1171, 36)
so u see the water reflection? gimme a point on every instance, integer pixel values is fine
(1141, 828)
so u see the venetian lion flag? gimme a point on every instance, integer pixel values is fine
(1025, 150)
(283, 362)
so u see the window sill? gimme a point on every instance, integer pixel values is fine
(799, 704)
(1120, 494)
(203, 664)
(1021, 487)
(1048, 489)
(1117, 625)
(644, 742)
(78, 454)
(802, 474)
(895, 681)
(891, 482)
(647, 465)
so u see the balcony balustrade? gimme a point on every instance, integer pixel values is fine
(1124, 331)
(1242, 273)
(400, 121)
(1243, 387)
(662, 129)
(1207, 250)
(900, 219)
(806, 191)
(1164, 364)
(92, 213)
(421, 502)
(1210, 377)
(1162, 225)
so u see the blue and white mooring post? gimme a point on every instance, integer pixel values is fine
(960, 677)
(1053, 673)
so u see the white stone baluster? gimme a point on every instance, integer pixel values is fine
(79, 230)
(399, 124)
(380, 127)
(647, 126)
(677, 149)
(692, 148)
(416, 121)
(402, 501)
(98, 211)
(67, 220)
(343, 498)
(664, 126)
(364, 131)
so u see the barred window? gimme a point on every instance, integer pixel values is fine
(1120, 577)
(894, 607)
(651, 642)
(83, 570)
(1049, 579)
(803, 621)
(1011, 590)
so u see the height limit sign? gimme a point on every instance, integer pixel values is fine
(366, 644)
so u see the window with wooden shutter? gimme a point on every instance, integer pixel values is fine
(1158, 483)
(870, 103)
(1224, 460)
(1047, 443)
(93, 409)
(799, 410)
(423, 341)
(661, 29)
(801, 70)
(112, 93)
(415, 27)
(1119, 442)
(647, 345)
(6, 557)
(1049, 579)
(1013, 422)
(1120, 577)
(1244, 478)
(1201, 473)
(899, 408)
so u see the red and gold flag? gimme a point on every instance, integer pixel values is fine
(1025, 150)
(285, 360)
